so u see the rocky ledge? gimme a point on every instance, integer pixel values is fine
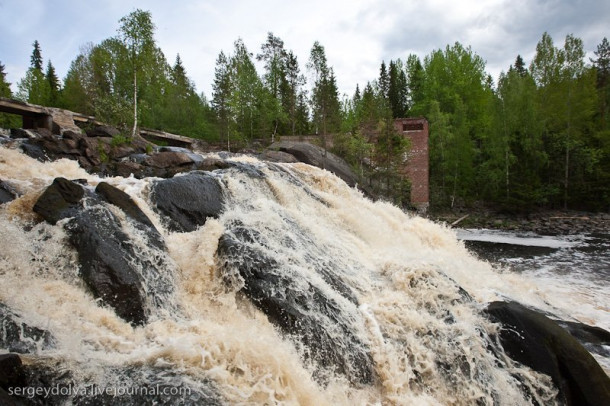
(550, 222)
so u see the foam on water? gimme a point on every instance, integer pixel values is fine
(429, 343)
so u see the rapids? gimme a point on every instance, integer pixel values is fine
(415, 298)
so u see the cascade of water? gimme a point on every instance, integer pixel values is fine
(300, 292)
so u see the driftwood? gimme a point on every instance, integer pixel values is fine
(458, 220)
(569, 218)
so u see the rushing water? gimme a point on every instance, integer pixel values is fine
(570, 273)
(428, 343)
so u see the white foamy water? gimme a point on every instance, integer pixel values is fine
(428, 343)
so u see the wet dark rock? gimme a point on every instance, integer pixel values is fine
(533, 339)
(73, 135)
(128, 168)
(299, 307)
(187, 201)
(34, 151)
(122, 200)
(12, 375)
(594, 339)
(8, 400)
(106, 256)
(60, 200)
(317, 156)
(23, 133)
(7, 193)
(17, 336)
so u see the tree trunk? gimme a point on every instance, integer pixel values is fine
(135, 104)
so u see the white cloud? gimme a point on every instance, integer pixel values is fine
(357, 34)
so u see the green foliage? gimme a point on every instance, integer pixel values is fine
(454, 97)
(118, 140)
(325, 105)
(540, 138)
(7, 120)
(34, 87)
(36, 58)
(101, 150)
(54, 88)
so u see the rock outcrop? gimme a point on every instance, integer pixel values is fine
(299, 306)
(110, 263)
(535, 340)
(187, 201)
(316, 156)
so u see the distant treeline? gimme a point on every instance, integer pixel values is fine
(540, 137)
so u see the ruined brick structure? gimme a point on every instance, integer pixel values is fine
(416, 169)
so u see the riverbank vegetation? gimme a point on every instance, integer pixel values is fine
(538, 138)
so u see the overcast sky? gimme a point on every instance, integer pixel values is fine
(357, 34)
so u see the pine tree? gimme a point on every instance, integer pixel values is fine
(220, 95)
(397, 90)
(36, 58)
(53, 81)
(325, 96)
(294, 82)
(384, 81)
(415, 85)
(34, 88)
(520, 66)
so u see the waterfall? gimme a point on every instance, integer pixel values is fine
(299, 292)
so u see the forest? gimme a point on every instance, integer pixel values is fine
(537, 139)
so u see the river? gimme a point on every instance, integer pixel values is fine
(571, 273)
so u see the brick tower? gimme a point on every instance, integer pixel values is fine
(416, 168)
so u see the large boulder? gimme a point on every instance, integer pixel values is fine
(169, 159)
(317, 156)
(60, 200)
(111, 265)
(105, 255)
(122, 200)
(535, 340)
(302, 307)
(187, 201)
(277, 156)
